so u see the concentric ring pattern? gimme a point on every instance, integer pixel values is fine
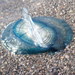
(48, 34)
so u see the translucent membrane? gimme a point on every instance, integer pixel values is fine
(36, 35)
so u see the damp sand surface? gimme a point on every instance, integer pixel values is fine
(61, 63)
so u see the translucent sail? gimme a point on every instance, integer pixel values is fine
(32, 30)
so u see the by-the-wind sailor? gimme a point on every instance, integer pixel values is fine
(36, 35)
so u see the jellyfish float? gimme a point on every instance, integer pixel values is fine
(36, 35)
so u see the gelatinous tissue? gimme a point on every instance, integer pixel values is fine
(36, 35)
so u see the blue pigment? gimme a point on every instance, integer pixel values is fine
(36, 35)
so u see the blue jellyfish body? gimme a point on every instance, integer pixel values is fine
(36, 35)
